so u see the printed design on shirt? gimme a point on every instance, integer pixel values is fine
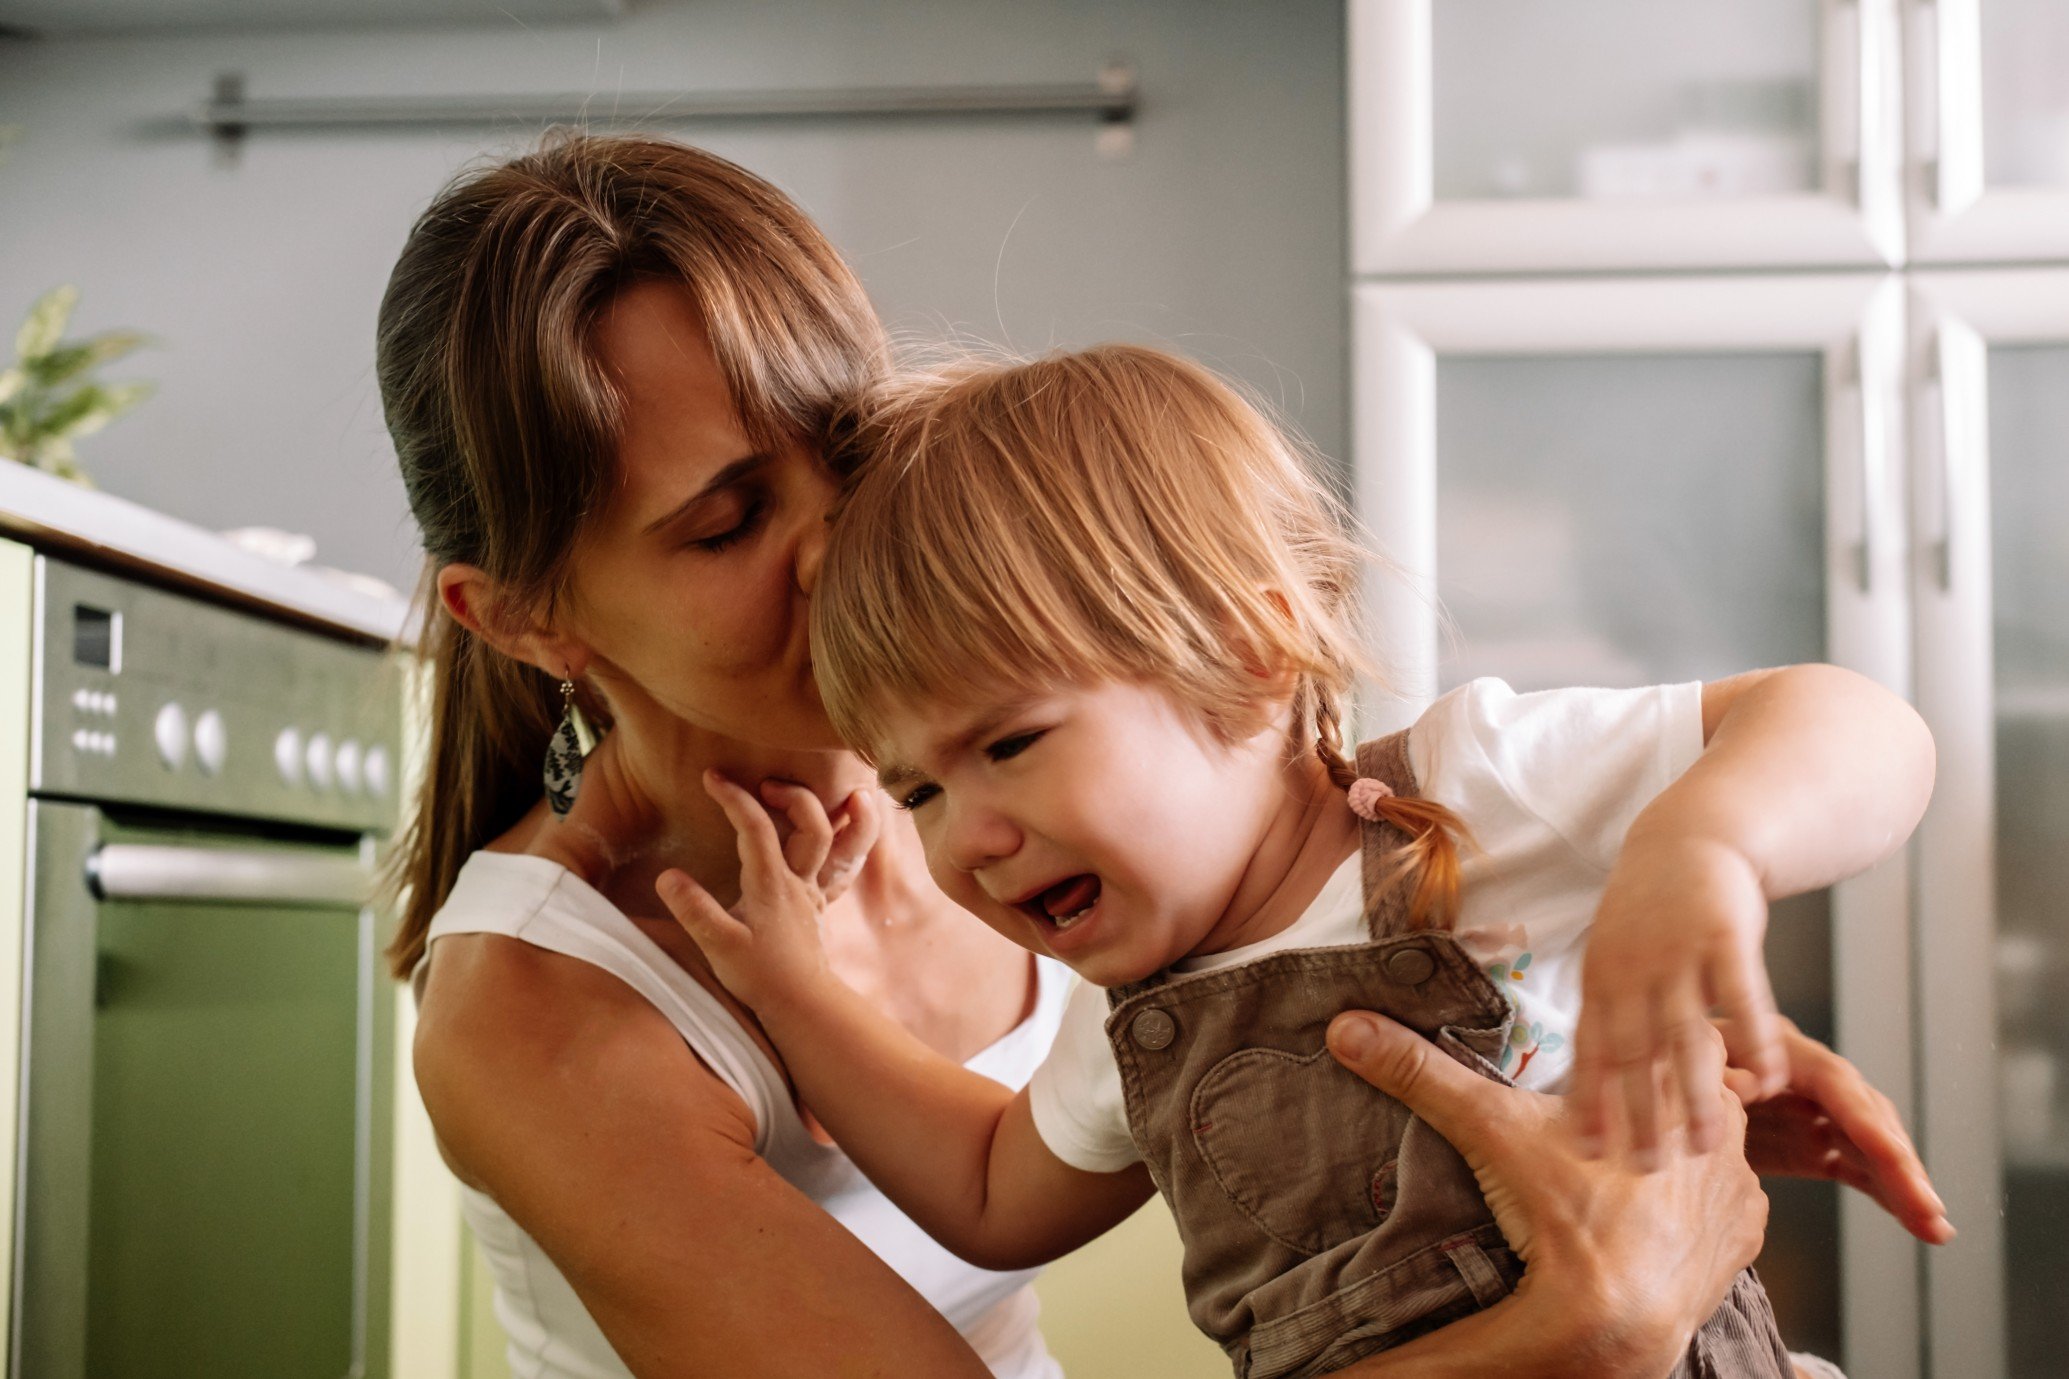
(1527, 1039)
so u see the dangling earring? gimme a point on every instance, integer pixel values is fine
(564, 753)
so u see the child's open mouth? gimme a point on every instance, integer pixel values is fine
(1066, 902)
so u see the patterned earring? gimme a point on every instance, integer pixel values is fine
(564, 753)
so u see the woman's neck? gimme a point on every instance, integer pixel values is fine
(642, 809)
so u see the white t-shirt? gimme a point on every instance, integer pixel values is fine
(1548, 784)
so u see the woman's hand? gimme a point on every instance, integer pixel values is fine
(1621, 1266)
(766, 948)
(1829, 1123)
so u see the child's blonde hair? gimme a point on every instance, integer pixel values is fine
(1110, 514)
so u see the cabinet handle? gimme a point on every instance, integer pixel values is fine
(1852, 449)
(1848, 100)
(153, 871)
(1935, 428)
(1950, 37)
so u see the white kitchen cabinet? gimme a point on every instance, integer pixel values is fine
(1987, 91)
(1624, 480)
(1513, 135)
(1990, 497)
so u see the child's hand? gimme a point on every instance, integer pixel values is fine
(1677, 934)
(767, 946)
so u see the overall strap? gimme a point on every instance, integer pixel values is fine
(1385, 760)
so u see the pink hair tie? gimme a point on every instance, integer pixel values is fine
(1366, 793)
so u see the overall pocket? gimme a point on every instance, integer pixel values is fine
(1303, 1148)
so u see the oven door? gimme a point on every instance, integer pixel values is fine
(206, 1082)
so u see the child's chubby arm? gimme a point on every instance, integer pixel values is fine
(1808, 775)
(958, 1152)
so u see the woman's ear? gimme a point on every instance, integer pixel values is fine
(480, 605)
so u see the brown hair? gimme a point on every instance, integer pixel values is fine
(1112, 514)
(505, 420)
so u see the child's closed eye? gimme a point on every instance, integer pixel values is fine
(1008, 747)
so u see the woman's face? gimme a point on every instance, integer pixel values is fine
(691, 588)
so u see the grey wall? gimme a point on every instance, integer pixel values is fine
(1221, 234)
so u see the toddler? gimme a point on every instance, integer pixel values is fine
(1092, 619)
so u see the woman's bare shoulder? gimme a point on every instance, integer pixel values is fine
(514, 1040)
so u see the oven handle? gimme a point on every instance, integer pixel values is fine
(158, 871)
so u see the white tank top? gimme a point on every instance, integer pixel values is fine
(551, 1334)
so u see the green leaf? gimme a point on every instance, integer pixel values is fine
(81, 414)
(56, 365)
(92, 408)
(11, 381)
(46, 324)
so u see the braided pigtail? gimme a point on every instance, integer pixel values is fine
(1429, 860)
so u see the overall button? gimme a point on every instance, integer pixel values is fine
(1410, 966)
(1153, 1029)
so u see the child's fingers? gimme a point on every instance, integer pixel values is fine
(700, 916)
(811, 832)
(852, 841)
(1592, 1070)
(761, 852)
(1631, 1030)
(1753, 1032)
(1695, 1060)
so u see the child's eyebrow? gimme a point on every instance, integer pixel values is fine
(893, 774)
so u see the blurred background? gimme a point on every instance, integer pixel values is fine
(1654, 339)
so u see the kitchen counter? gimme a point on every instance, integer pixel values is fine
(100, 529)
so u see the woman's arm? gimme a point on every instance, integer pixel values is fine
(578, 1108)
(1621, 1267)
(1808, 775)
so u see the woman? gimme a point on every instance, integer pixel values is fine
(612, 371)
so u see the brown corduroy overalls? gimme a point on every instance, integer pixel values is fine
(1321, 1221)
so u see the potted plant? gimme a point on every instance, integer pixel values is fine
(48, 398)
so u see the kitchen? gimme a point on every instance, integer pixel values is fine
(1484, 256)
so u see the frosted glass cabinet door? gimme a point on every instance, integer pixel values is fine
(1623, 482)
(1515, 134)
(1989, 115)
(1992, 497)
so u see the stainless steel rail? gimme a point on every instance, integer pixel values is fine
(153, 871)
(1113, 97)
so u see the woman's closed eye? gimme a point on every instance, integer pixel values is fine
(751, 513)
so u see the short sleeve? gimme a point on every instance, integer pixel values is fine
(1583, 762)
(1075, 1094)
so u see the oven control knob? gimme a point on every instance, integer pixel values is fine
(377, 779)
(211, 742)
(169, 730)
(316, 758)
(287, 756)
(348, 766)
